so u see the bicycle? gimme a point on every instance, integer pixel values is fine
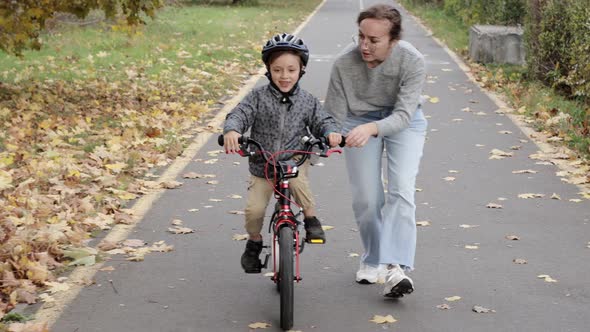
(284, 224)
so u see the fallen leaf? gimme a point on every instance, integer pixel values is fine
(240, 237)
(378, 319)
(353, 254)
(575, 200)
(499, 154)
(468, 226)
(134, 243)
(555, 196)
(530, 195)
(443, 306)
(452, 171)
(259, 325)
(505, 132)
(493, 206)
(236, 212)
(234, 196)
(170, 184)
(180, 230)
(423, 223)
(193, 210)
(519, 261)
(212, 182)
(471, 247)
(457, 120)
(108, 268)
(512, 237)
(482, 310)
(449, 178)
(177, 222)
(215, 200)
(210, 161)
(524, 171)
(546, 277)
(327, 228)
(453, 298)
(434, 100)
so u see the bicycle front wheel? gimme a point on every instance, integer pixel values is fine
(286, 276)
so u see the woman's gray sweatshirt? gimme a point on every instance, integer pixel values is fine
(395, 84)
(278, 126)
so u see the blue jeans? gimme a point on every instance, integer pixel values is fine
(386, 220)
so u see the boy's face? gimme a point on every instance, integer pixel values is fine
(284, 71)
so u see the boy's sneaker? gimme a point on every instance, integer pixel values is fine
(313, 231)
(370, 274)
(250, 260)
(397, 283)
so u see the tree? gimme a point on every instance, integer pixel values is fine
(21, 21)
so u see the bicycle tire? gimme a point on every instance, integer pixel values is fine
(286, 276)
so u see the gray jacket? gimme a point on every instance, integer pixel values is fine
(278, 126)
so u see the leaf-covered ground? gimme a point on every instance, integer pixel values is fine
(82, 130)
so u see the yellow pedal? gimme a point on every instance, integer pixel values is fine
(316, 241)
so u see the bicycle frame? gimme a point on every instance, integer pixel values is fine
(284, 225)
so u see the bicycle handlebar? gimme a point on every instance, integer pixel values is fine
(309, 143)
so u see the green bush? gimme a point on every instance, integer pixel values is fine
(558, 43)
(505, 12)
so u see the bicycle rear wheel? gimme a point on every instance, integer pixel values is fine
(286, 276)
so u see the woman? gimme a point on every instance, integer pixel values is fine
(374, 92)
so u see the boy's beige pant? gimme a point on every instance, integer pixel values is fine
(260, 191)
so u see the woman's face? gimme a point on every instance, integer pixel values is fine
(284, 71)
(374, 41)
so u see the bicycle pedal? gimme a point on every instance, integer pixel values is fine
(315, 241)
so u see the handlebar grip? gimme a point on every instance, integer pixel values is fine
(343, 142)
(220, 140)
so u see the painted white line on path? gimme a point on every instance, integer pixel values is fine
(80, 275)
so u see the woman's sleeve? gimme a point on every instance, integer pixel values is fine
(336, 103)
(408, 98)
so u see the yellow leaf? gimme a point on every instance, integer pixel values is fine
(453, 298)
(126, 196)
(434, 100)
(240, 237)
(471, 247)
(327, 228)
(546, 277)
(5, 180)
(423, 223)
(117, 167)
(378, 319)
(259, 325)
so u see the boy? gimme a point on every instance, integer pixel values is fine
(278, 115)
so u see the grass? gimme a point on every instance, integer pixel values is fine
(512, 81)
(195, 36)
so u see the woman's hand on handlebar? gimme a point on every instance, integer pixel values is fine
(334, 139)
(359, 135)
(230, 142)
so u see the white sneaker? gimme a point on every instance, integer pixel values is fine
(370, 274)
(397, 283)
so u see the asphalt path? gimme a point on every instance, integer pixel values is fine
(200, 286)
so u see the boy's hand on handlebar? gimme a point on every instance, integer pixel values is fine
(334, 139)
(230, 142)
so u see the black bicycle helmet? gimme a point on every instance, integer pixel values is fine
(285, 42)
